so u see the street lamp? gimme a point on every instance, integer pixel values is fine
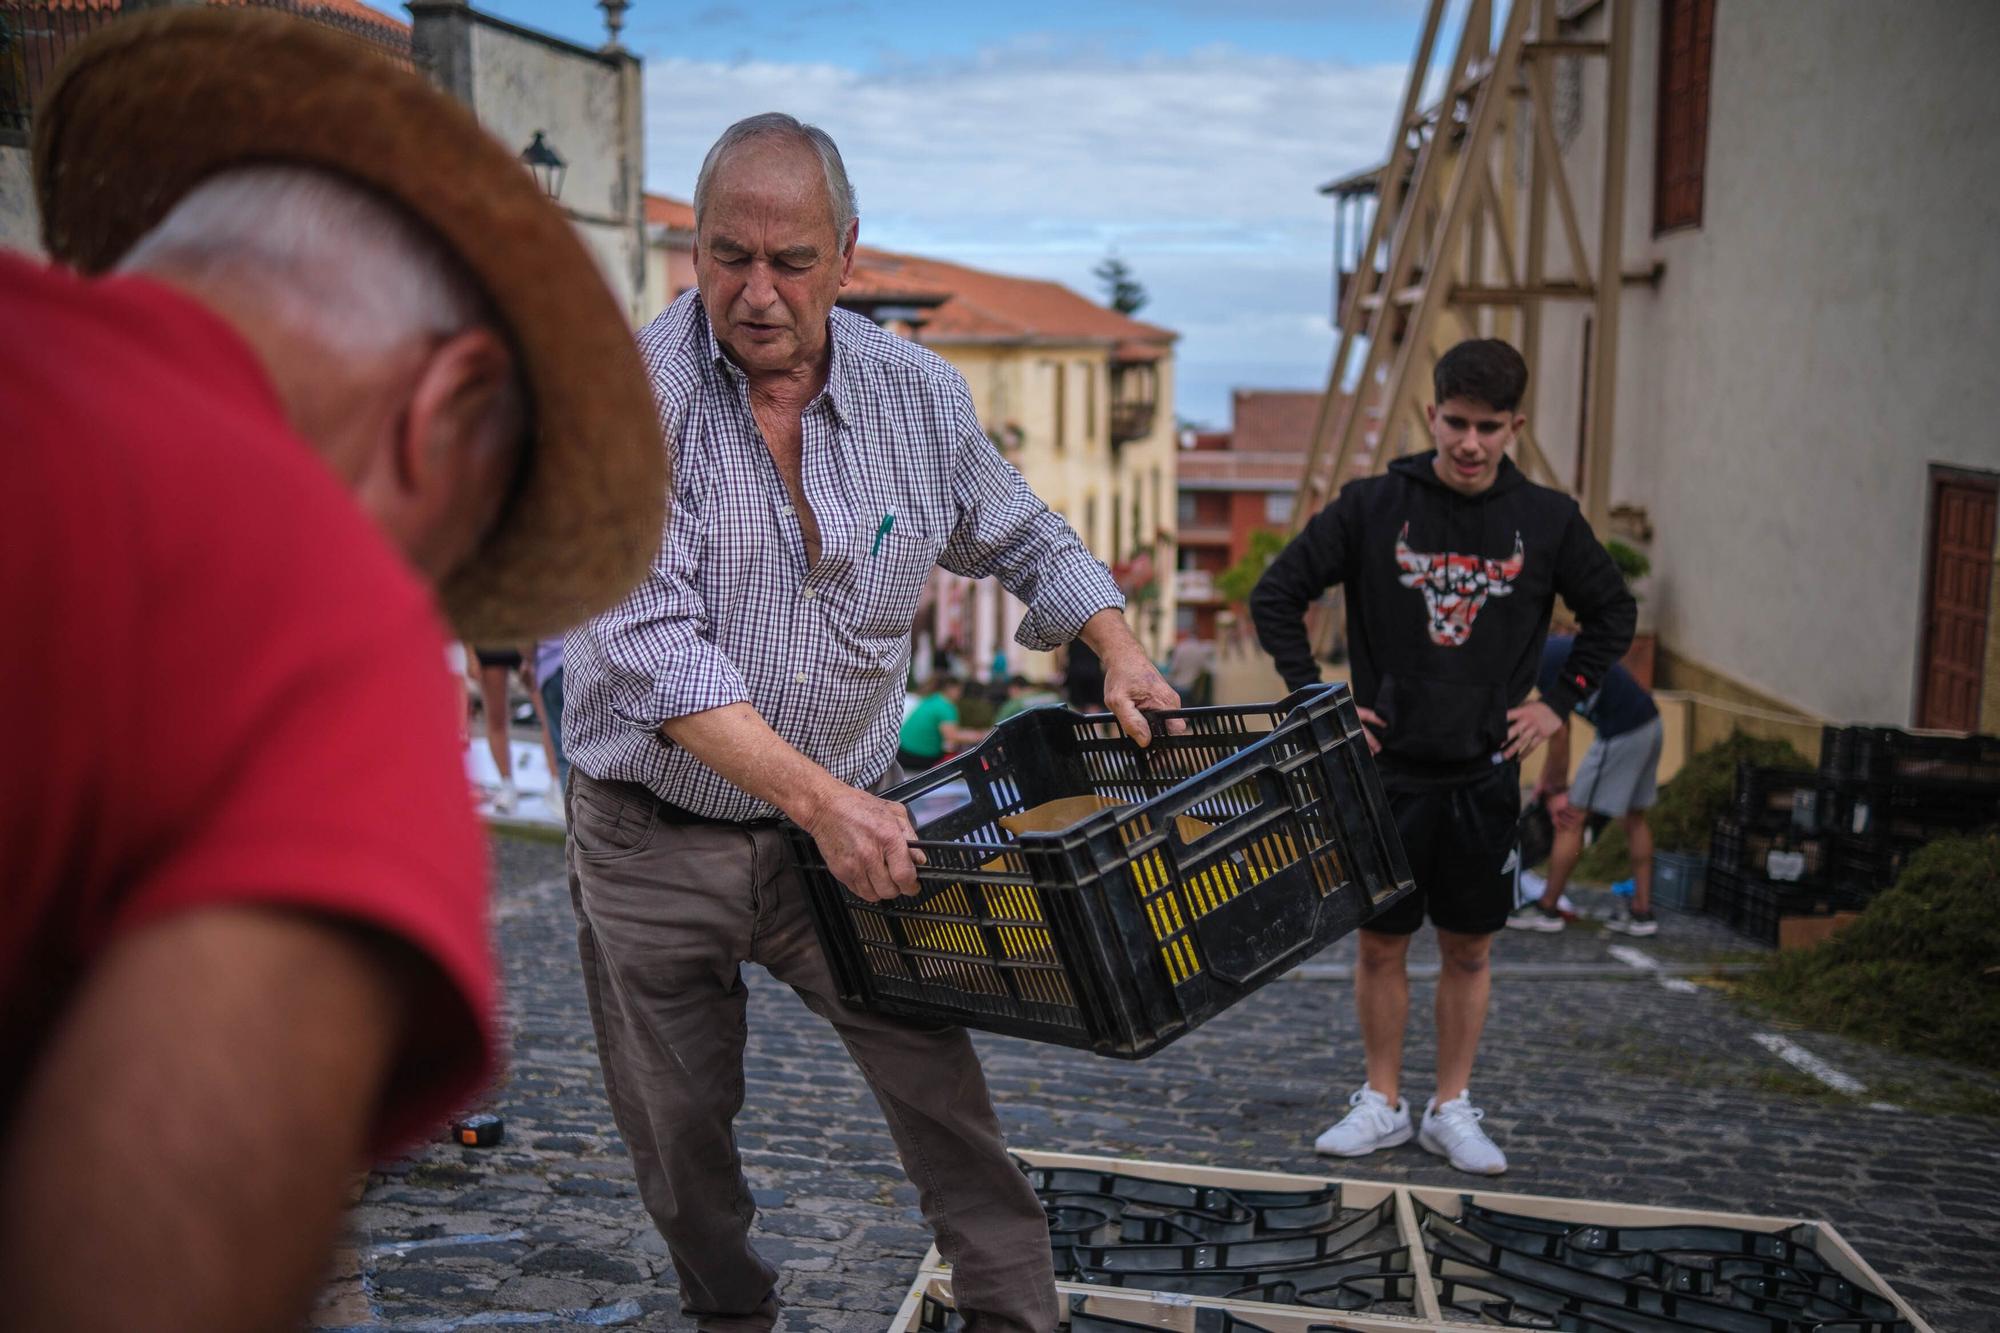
(547, 166)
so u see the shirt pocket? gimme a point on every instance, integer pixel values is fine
(891, 583)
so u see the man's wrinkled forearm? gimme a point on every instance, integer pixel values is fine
(740, 745)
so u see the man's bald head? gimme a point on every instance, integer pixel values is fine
(774, 130)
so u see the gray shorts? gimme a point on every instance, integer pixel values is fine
(1621, 774)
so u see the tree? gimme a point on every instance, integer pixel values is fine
(1122, 292)
(1235, 582)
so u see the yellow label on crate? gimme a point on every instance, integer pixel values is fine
(1024, 937)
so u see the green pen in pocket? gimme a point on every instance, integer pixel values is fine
(881, 531)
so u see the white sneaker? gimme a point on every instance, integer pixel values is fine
(1633, 923)
(506, 799)
(1372, 1124)
(1452, 1130)
(1534, 916)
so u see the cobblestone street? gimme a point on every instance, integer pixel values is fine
(1601, 1076)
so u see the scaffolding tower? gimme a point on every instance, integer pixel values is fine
(1446, 255)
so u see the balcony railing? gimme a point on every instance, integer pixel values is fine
(1132, 421)
(1135, 399)
(1194, 585)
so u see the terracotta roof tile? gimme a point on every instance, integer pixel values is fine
(352, 10)
(345, 9)
(666, 211)
(997, 307)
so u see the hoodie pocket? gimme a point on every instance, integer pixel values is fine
(1441, 721)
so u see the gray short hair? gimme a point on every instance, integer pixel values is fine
(776, 124)
(328, 256)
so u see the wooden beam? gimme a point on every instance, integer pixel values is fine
(1407, 213)
(1388, 202)
(1538, 226)
(1611, 240)
(1551, 160)
(1532, 452)
(1500, 232)
(1563, 46)
(1460, 197)
(1521, 295)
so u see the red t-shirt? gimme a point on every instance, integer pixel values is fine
(222, 685)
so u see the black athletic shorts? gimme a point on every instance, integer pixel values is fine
(509, 658)
(1460, 841)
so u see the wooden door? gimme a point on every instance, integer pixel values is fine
(1960, 578)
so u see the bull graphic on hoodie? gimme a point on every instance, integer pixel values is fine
(1455, 587)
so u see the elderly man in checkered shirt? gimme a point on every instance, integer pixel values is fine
(822, 467)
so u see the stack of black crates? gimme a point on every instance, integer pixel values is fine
(1799, 842)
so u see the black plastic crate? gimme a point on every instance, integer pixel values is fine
(1722, 891)
(1778, 796)
(1866, 866)
(1762, 903)
(1121, 934)
(1910, 810)
(1769, 848)
(1753, 903)
(1887, 754)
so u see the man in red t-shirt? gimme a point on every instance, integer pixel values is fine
(242, 935)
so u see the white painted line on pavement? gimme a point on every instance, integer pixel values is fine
(396, 1247)
(1641, 961)
(1798, 1057)
(1632, 957)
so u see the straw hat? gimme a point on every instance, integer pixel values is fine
(147, 108)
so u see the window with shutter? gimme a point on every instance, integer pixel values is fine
(1687, 29)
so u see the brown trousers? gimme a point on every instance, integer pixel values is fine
(665, 915)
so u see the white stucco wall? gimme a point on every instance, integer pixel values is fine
(1824, 335)
(521, 85)
(20, 224)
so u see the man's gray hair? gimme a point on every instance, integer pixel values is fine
(776, 124)
(327, 256)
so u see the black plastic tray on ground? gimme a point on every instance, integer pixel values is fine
(1754, 904)
(1122, 933)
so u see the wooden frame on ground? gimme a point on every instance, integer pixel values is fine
(1176, 1312)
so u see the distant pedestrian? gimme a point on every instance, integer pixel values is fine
(1083, 678)
(322, 363)
(1023, 694)
(496, 668)
(1451, 561)
(931, 731)
(1619, 779)
(548, 686)
(1189, 666)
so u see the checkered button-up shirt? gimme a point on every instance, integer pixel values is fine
(900, 477)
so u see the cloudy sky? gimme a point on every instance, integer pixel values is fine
(1187, 135)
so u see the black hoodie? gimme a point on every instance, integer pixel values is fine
(1448, 602)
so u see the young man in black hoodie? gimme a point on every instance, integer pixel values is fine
(1452, 561)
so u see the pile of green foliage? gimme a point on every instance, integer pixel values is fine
(1920, 971)
(1690, 804)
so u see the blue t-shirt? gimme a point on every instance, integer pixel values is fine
(1619, 705)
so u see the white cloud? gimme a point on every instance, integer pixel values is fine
(1201, 170)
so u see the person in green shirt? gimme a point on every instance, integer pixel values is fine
(1022, 694)
(932, 728)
